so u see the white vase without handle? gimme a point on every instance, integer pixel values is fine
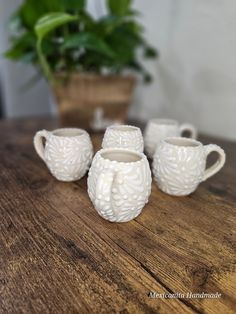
(123, 136)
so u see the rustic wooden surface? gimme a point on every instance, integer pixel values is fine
(58, 256)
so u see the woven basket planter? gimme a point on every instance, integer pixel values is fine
(81, 95)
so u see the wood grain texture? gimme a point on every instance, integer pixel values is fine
(59, 256)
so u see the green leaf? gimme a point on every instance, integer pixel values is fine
(147, 78)
(73, 5)
(133, 27)
(45, 25)
(88, 41)
(31, 11)
(124, 43)
(29, 57)
(23, 45)
(49, 48)
(14, 23)
(119, 7)
(107, 24)
(51, 21)
(19, 55)
(133, 12)
(150, 52)
(87, 20)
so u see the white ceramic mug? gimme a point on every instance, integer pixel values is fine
(179, 164)
(67, 153)
(158, 129)
(119, 183)
(123, 136)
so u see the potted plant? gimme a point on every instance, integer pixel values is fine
(86, 60)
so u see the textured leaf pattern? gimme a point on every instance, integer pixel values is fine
(178, 170)
(68, 158)
(131, 188)
(115, 138)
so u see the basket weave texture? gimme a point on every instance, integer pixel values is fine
(80, 95)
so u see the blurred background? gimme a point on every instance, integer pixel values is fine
(194, 78)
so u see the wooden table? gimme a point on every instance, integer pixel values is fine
(59, 256)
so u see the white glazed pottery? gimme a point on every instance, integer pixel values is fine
(119, 183)
(67, 153)
(123, 136)
(179, 165)
(159, 129)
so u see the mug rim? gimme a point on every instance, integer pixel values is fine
(125, 150)
(119, 127)
(164, 122)
(82, 132)
(168, 140)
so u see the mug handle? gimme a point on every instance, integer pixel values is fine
(189, 128)
(218, 164)
(104, 188)
(38, 143)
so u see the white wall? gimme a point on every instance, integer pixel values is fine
(196, 74)
(195, 78)
(19, 101)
